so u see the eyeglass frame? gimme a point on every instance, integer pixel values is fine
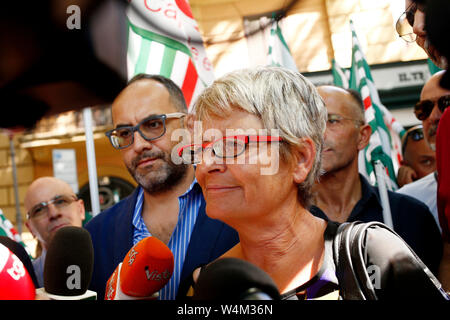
(409, 133)
(163, 117)
(245, 138)
(45, 204)
(428, 113)
(339, 117)
(416, 6)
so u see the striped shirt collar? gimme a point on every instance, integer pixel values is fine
(189, 205)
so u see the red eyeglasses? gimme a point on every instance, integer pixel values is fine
(227, 147)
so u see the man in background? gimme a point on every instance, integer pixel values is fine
(418, 158)
(50, 204)
(343, 194)
(433, 98)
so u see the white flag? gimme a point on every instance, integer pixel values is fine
(279, 53)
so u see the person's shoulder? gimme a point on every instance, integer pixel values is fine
(406, 201)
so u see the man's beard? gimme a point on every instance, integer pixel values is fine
(157, 180)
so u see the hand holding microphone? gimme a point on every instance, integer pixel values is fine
(146, 268)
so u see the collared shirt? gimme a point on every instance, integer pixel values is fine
(189, 204)
(38, 265)
(412, 220)
(425, 190)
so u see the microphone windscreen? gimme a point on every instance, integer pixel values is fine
(230, 279)
(69, 262)
(147, 268)
(22, 254)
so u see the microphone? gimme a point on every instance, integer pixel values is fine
(234, 279)
(22, 254)
(15, 282)
(69, 265)
(146, 268)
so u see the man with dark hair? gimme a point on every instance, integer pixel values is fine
(342, 194)
(168, 203)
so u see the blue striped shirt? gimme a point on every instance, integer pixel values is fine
(189, 204)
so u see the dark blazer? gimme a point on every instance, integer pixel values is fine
(112, 238)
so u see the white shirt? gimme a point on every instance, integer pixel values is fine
(425, 190)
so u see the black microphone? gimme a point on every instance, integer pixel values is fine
(22, 254)
(69, 265)
(234, 279)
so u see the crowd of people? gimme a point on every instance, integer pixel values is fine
(267, 172)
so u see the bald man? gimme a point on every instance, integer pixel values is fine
(342, 194)
(428, 111)
(50, 204)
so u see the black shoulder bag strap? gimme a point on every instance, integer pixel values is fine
(349, 259)
(350, 264)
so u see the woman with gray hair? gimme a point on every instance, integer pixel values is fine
(250, 119)
(277, 232)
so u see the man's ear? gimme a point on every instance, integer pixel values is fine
(30, 227)
(189, 121)
(304, 156)
(365, 131)
(82, 209)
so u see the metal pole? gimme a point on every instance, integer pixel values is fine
(16, 188)
(380, 173)
(92, 167)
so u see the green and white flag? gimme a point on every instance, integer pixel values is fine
(432, 67)
(384, 144)
(279, 53)
(340, 78)
(7, 230)
(164, 39)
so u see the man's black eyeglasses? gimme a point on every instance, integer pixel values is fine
(423, 108)
(151, 128)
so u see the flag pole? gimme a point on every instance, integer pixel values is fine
(380, 174)
(16, 187)
(92, 167)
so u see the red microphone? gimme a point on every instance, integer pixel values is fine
(15, 282)
(146, 269)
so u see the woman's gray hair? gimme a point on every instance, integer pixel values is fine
(282, 99)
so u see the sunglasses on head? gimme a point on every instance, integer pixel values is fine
(423, 108)
(415, 133)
